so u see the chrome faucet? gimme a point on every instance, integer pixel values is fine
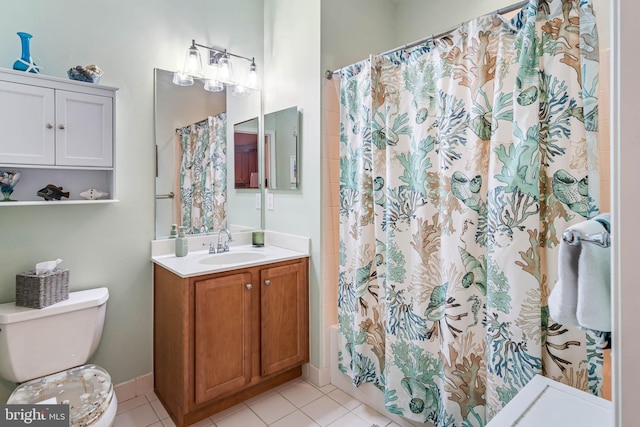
(212, 247)
(225, 247)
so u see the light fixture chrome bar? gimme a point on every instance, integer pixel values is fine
(221, 52)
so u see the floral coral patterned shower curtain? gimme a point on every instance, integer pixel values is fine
(203, 175)
(462, 161)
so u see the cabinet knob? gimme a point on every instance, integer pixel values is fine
(49, 126)
(249, 286)
(267, 282)
(61, 127)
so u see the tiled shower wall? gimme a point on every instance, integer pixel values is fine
(331, 174)
(330, 205)
(604, 137)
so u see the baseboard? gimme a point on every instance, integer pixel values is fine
(138, 386)
(319, 377)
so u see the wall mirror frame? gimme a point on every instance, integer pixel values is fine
(177, 107)
(281, 149)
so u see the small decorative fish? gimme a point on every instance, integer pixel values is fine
(93, 194)
(51, 192)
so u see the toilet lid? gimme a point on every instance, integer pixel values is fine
(86, 389)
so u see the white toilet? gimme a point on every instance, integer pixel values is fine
(47, 347)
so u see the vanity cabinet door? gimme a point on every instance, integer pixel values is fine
(27, 119)
(284, 317)
(84, 130)
(223, 331)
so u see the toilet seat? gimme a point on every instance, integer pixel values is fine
(87, 389)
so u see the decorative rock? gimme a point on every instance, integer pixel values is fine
(93, 194)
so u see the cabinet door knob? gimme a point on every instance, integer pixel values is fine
(61, 127)
(49, 126)
(267, 282)
(249, 286)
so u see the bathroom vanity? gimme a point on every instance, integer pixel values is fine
(224, 333)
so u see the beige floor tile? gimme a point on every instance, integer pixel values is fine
(244, 418)
(324, 410)
(301, 394)
(141, 416)
(344, 399)
(273, 408)
(296, 419)
(370, 415)
(128, 405)
(349, 420)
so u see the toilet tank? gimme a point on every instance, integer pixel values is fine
(39, 342)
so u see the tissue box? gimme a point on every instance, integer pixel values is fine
(40, 290)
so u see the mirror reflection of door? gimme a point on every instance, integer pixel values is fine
(281, 149)
(245, 148)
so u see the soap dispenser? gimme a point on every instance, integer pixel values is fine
(182, 244)
(174, 231)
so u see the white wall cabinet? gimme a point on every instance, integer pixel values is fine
(84, 133)
(56, 131)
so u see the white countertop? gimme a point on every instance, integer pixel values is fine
(278, 247)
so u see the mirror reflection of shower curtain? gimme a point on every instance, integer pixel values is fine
(202, 177)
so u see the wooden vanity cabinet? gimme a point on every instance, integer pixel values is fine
(222, 338)
(223, 331)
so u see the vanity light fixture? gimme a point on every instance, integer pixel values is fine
(222, 73)
(213, 85)
(225, 69)
(252, 75)
(193, 62)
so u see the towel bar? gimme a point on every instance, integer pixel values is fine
(169, 195)
(574, 238)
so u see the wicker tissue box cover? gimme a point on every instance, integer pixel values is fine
(41, 290)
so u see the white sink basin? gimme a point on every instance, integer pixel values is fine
(232, 258)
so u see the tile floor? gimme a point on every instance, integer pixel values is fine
(294, 404)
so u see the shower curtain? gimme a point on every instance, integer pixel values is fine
(203, 175)
(462, 161)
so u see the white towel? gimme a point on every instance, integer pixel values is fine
(582, 295)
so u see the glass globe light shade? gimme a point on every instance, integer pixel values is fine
(225, 70)
(193, 62)
(213, 85)
(181, 79)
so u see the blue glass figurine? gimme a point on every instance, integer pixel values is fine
(25, 63)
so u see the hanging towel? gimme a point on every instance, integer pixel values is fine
(582, 295)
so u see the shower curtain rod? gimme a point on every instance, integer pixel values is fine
(329, 74)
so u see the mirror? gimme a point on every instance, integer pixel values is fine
(181, 112)
(281, 130)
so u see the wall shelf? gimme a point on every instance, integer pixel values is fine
(58, 202)
(57, 131)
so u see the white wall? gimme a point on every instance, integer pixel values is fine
(354, 29)
(292, 77)
(108, 245)
(416, 19)
(626, 209)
